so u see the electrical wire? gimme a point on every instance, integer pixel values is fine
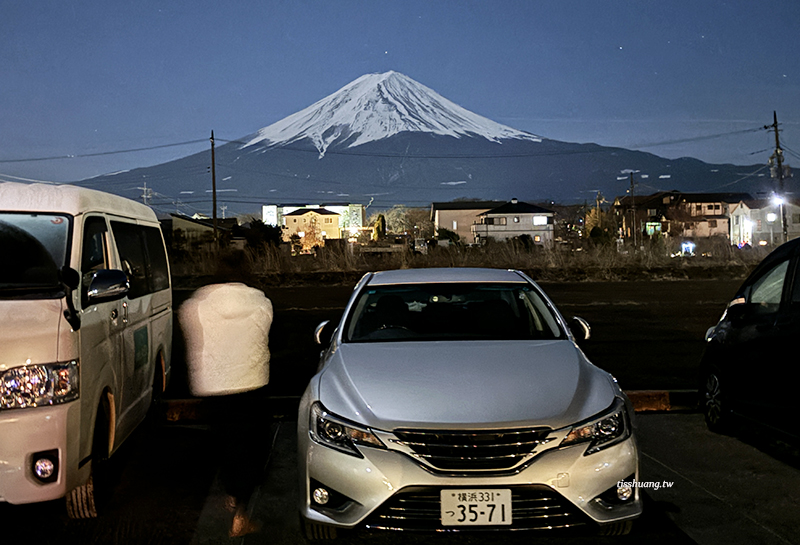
(101, 153)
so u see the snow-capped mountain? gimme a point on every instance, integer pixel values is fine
(377, 106)
(386, 139)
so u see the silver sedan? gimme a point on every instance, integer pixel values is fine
(458, 399)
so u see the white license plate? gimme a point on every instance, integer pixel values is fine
(476, 507)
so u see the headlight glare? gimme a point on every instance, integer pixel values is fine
(339, 434)
(39, 385)
(600, 432)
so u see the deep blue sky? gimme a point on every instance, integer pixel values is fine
(85, 77)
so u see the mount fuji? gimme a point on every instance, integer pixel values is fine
(387, 139)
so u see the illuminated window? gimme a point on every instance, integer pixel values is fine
(540, 220)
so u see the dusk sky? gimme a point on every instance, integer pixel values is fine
(82, 78)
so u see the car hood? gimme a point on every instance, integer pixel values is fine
(29, 331)
(464, 384)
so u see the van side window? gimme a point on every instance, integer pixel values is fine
(141, 250)
(94, 254)
(131, 253)
(159, 269)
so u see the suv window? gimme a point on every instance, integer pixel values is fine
(767, 290)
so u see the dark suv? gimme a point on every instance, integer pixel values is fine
(750, 365)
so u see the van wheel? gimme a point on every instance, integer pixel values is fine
(617, 528)
(89, 500)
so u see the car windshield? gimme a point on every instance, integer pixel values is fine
(451, 311)
(34, 248)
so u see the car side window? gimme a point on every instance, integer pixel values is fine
(767, 290)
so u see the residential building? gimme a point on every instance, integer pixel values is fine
(515, 219)
(459, 216)
(312, 225)
(352, 216)
(757, 222)
(678, 214)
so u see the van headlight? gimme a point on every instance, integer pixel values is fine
(602, 431)
(337, 433)
(39, 385)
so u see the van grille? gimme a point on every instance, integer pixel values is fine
(464, 450)
(534, 507)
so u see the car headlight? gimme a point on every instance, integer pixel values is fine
(609, 428)
(39, 385)
(337, 433)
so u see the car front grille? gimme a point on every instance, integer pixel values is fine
(493, 450)
(534, 507)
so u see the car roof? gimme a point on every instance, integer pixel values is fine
(68, 199)
(443, 275)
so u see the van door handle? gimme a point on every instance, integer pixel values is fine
(125, 313)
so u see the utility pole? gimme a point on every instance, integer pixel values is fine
(146, 193)
(633, 215)
(779, 171)
(214, 190)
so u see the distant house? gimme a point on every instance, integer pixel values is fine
(312, 225)
(192, 231)
(757, 222)
(460, 216)
(674, 213)
(515, 219)
(352, 216)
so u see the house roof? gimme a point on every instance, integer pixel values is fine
(465, 205)
(715, 197)
(516, 207)
(320, 211)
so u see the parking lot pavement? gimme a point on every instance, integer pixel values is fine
(722, 490)
(725, 489)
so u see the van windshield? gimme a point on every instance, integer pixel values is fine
(34, 248)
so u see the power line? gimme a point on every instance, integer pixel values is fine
(101, 153)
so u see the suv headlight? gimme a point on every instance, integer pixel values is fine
(609, 428)
(39, 385)
(337, 433)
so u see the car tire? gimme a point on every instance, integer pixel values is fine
(314, 531)
(716, 410)
(90, 499)
(622, 528)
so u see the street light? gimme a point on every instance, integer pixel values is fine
(771, 217)
(779, 201)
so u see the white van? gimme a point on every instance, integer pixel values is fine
(85, 337)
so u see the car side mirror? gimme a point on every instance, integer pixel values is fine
(323, 333)
(70, 277)
(580, 329)
(107, 285)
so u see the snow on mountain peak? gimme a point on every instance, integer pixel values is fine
(377, 106)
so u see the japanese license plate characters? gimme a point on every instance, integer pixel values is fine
(476, 507)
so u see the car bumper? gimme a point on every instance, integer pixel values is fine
(375, 490)
(24, 433)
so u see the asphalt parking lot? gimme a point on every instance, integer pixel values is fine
(174, 482)
(171, 490)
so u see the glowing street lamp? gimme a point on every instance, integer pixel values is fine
(779, 202)
(771, 217)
